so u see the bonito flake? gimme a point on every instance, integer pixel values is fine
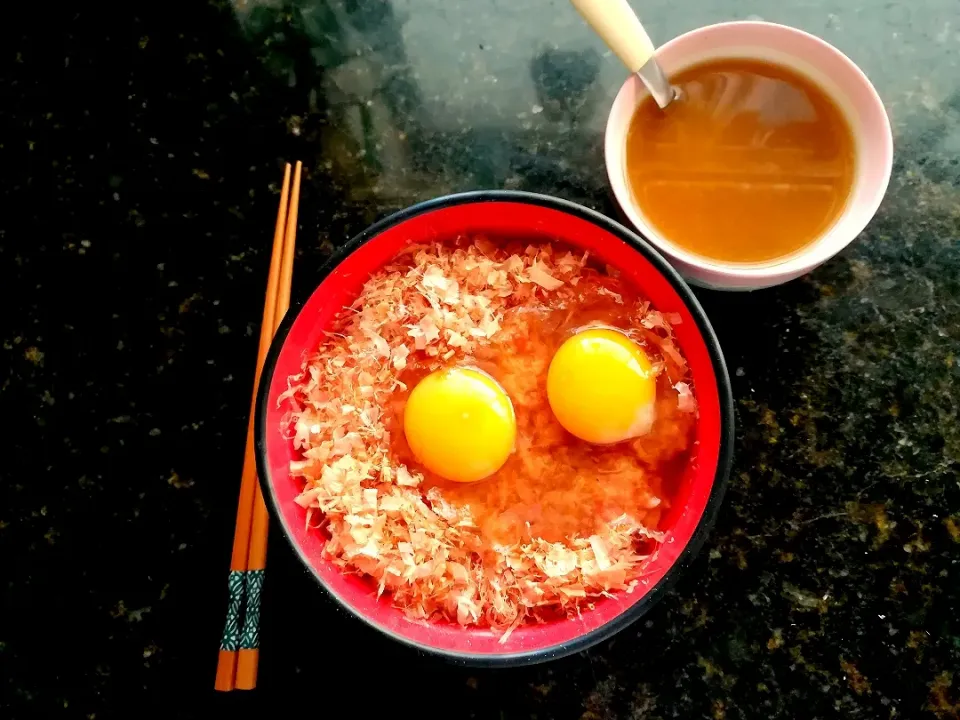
(436, 305)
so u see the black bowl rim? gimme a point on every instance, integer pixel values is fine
(725, 395)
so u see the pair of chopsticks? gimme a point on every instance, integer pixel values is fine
(240, 644)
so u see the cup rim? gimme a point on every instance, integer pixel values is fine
(798, 263)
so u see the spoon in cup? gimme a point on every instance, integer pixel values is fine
(619, 27)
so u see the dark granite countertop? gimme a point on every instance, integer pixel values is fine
(141, 155)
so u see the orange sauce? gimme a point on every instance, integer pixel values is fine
(754, 162)
(555, 486)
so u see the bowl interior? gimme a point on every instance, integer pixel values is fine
(494, 219)
(832, 71)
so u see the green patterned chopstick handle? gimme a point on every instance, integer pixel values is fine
(250, 638)
(230, 640)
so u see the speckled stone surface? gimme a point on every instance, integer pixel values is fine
(141, 153)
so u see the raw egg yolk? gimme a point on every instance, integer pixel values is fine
(460, 424)
(601, 387)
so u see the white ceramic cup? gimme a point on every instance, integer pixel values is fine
(832, 71)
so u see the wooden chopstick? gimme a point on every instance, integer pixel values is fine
(230, 640)
(249, 655)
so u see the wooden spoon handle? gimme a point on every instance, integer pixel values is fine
(620, 28)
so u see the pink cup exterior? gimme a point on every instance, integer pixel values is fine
(830, 69)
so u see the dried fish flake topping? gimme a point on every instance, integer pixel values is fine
(437, 304)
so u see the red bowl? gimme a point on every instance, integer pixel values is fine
(533, 217)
